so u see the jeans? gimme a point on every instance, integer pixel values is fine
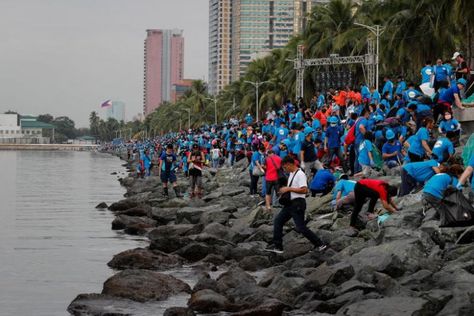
(357, 166)
(215, 163)
(362, 192)
(253, 183)
(295, 210)
(408, 183)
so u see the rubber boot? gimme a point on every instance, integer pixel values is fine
(178, 194)
(165, 192)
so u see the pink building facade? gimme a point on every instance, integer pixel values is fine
(164, 66)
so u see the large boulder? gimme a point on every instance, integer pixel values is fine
(179, 311)
(123, 205)
(194, 251)
(144, 285)
(208, 301)
(254, 263)
(336, 274)
(141, 258)
(269, 307)
(219, 231)
(133, 224)
(163, 215)
(389, 306)
(139, 210)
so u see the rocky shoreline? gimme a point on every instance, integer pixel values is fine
(407, 266)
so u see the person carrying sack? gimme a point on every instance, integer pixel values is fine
(293, 200)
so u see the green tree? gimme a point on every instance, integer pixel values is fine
(94, 122)
(45, 118)
(65, 128)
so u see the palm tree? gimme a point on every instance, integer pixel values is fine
(94, 121)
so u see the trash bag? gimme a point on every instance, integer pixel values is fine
(377, 156)
(457, 210)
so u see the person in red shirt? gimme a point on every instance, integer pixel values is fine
(374, 190)
(321, 116)
(272, 164)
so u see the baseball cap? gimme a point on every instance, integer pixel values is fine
(462, 81)
(455, 55)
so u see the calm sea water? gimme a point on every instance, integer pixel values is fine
(54, 244)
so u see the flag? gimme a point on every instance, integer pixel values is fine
(106, 104)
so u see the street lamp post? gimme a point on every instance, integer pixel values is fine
(257, 85)
(179, 113)
(215, 109)
(377, 30)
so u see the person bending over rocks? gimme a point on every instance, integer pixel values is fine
(373, 190)
(297, 187)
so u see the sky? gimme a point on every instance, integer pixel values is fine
(66, 57)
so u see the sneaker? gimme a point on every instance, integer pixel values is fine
(274, 249)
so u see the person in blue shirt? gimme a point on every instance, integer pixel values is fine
(403, 115)
(401, 86)
(289, 107)
(365, 158)
(320, 100)
(298, 117)
(167, 170)
(411, 94)
(375, 97)
(433, 191)
(323, 182)
(427, 72)
(248, 119)
(415, 173)
(298, 139)
(147, 162)
(256, 161)
(419, 148)
(443, 149)
(344, 192)
(281, 133)
(388, 87)
(452, 95)
(419, 112)
(360, 130)
(468, 175)
(441, 75)
(365, 93)
(449, 124)
(332, 140)
(391, 150)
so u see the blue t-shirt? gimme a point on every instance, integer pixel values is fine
(345, 187)
(438, 184)
(448, 94)
(426, 73)
(168, 161)
(364, 148)
(298, 139)
(416, 146)
(375, 98)
(333, 136)
(256, 156)
(388, 148)
(365, 92)
(449, 126)
(421, 171)
(443, 146)
(281, 134)
(411, 95)
(420, 107)
(298, 118)
(248, 119)
(401, 86)
(403, 114)
(316, 124)
(388, 87)
(359, 137)
(441, 73)
(321, 180)
(321, 101)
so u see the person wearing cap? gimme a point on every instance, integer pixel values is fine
(332, 140)
(462, 70)
(248, 119)
(450, 97)
(344, 192)
(308, 153)
(391, 150)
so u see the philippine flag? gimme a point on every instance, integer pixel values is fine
(106, 104)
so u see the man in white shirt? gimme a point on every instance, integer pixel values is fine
(295, 208)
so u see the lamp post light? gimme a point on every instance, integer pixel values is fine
(257, 85)
(377, 30)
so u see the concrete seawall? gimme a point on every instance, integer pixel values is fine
(73, 147)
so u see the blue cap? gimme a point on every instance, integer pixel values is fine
(390, 134)
(378, 118)
(462, 81)
(307, 131)
(333, 119)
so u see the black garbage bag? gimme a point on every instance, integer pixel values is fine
(457, 210)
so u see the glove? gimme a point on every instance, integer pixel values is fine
(372, 163)
(459, 186)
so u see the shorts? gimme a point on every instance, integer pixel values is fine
(271, 185)
(168, 176)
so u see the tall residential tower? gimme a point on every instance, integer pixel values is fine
(164, 66)
(220, 36)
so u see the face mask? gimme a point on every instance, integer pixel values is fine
(333, 124)
(447, 117)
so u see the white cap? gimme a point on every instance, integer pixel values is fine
(455, 55)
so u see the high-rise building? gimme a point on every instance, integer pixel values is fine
(164, 66)
(220, 37)
(116, 111)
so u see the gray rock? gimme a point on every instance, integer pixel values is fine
(179, 311)
(205, 283)
(216, 216)
(144, 285)
(141, 258)
(122, 205)
(254, 263)
(353, 285)
(101, 205)
(134, 224)
(337, 274)
(194, 251)
(208, 301)
(269, 307)
(163, 215)
(389, 306)
(139, 210)
(219, 231)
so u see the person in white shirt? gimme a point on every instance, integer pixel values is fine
(294, 208)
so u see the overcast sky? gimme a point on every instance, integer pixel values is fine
(65, 57)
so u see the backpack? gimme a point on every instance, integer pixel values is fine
(457, 211)
(350, 137)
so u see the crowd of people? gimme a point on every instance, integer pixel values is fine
(339, 143)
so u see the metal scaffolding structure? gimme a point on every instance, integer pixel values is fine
(368, 62)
